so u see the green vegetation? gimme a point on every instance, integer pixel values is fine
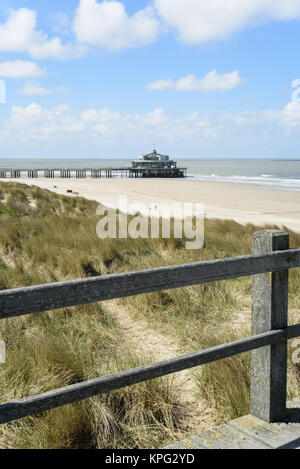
(47, 238)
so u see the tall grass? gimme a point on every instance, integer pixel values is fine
(45, 238)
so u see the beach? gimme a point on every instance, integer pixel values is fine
(242, 202)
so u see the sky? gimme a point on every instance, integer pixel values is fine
(110, 79)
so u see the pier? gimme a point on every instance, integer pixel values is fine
(93, 173)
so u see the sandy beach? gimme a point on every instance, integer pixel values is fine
(245, 203)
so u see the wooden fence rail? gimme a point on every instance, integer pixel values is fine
(268, 342)
(21, 301)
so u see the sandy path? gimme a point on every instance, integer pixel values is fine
(144, 340)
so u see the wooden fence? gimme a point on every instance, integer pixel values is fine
(271, 254)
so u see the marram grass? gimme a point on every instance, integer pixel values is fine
(47, 238)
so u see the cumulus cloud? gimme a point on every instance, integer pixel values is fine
(32, 88)
(104, 24)
(20, 69)
(198, 20)
(107, 24)
(211, 82)
(19, 34)
(35, 122)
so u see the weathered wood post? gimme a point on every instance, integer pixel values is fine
(269, 312)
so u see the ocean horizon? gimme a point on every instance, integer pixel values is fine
(279, 173)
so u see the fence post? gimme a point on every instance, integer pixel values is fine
(269, 312)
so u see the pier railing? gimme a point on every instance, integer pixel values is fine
(93, 173)
(269, 265)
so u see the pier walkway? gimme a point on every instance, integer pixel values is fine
(249, 432)
(93, 173)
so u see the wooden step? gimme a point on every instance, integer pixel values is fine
(249, 433)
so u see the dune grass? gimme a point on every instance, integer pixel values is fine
(46, 238)
(212, 314)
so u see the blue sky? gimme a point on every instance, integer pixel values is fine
(87, 78)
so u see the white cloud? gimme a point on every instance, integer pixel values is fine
(60, 123)
(20, 69)
(34, 122)
(161, 85)
(36, 89)
(107, 24)
(290, 115)
(201, 20)
(296, 83)
(211, 82)
(19, 34)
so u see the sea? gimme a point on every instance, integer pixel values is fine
(283, 174)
